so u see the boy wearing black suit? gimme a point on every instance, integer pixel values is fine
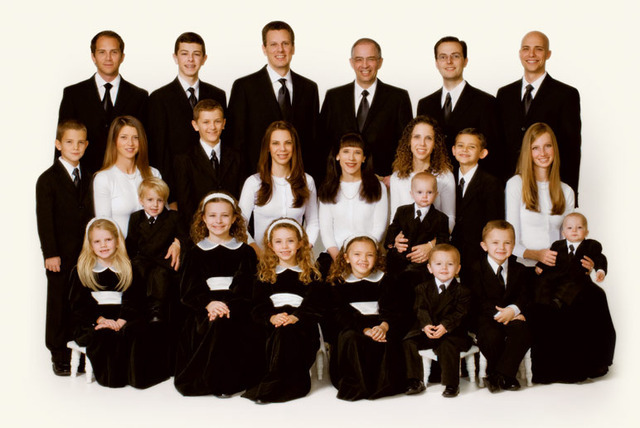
(63, 208)
(171, 106)
(209, 165)
(479, 196)
(442, 305)
(500, 287)
(154, 239)
(416, 224)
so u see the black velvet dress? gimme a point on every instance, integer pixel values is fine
(223, 356)
(135, 355)
(361, 367)
(291, 349)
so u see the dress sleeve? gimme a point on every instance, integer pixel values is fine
(326, 226)
(248, 199)
(311, 221)
(513, 202)
(446, 200)
(380, 215)
(102, 194)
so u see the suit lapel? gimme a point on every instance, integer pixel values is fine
(180, 96)
(265, 89)
(542, 96)
(201, 159)
(379, 100)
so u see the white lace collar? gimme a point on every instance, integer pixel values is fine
(99, 268)
(280, 269)
(372, 277)
(207, 245)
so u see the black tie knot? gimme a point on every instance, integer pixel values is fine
(152, 220)
(363, 110)
(526, 100)
(76, 177)
(192, 97)
(447, 107)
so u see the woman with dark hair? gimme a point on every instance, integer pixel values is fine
(280, 188)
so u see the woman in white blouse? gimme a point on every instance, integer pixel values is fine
(280, 188)
(126, 164)
(352, 199)
(422, 148)
(536, 199)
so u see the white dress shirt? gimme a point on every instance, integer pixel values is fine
(113, 92)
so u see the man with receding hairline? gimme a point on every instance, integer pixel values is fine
(537, 97)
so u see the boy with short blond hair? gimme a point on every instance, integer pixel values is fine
(63, 207)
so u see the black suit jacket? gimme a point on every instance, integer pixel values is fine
(151, 242)
(169, 124)
(82, 102)
(62, 213)
(253, 106)
(483, 201)
(557, 105)
(474, 109)
(195, 177)
(389, 113)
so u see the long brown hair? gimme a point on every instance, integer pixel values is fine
(111, 152)
(297, 178)
(340, 269)
(525, 169)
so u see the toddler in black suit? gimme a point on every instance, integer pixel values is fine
(154, 239)
(63, 208)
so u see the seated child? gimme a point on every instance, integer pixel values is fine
(442, 305)
(500, 293)
(63, 208)
(414, 225)
(479, 196)
(154, 239)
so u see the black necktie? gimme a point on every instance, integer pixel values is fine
(418, 214)
(500, 277)
(192, 97)
(447, 107)
(284, 99)
(76, 177)
(215, 163)
(572, 250)
(461, 188)
(152, 220)
(363, 110)
(441, 288)
(526, 100)
(107, 104)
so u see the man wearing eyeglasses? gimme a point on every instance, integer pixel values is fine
(458, 105)
(379, 112)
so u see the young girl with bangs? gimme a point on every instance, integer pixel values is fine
(288, 298)
(219, 348)
(367, 360)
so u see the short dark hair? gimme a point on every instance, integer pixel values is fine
(450, 39)
(206, 105)
(189, 37)
(367, 40)
(445, 248)
(275, 26)
(106, 33)
(66, 125)
(473, 131)
(497, 224)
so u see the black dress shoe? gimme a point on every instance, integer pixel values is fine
(415, 386)
(493, 383)
(451, 391)
(61, 369)
(509, 383)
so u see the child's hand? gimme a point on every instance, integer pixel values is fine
(174, 253)
(291, 319)
(520, 317)
(538, 270)
(217, 309)
(107, 323)
(600, 275)
(504, 315)
(420, 253)
(400, 243)
(439, 331)
(278, 320)
(53, 264)
(377, 333)
(121, 323)
(588, 264)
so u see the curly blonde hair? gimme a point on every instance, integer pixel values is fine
(304, 255)
(340, 269)
(199, 229)
(439, 161)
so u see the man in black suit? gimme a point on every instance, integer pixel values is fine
(273, 93)
(458, 105)
(537, 97)
(104, 96)
(379, 112)
(171, 106)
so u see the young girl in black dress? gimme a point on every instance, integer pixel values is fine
(220, 350)
(367, 360)
(287, 301)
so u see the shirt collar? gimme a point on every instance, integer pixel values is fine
(455, 94)
(115, 83)
(372, 277)
(99, 267)
(423, 210)
(575, 244)
(69, 167)
(207, 149)
(371, 89)
(494, 265)
(536, 85)
(275, 77)
(207, 245)
(185, 85)
(280, 269)
(446, 284)
(468, 176)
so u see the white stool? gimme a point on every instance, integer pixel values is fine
(524, 371)
(322, 355)
(76, 352)
(428, 355)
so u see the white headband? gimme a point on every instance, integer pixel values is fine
(361, 235)
(93, 220)
(285, 220)
(221, 196)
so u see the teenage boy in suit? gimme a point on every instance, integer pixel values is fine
(171, 106)
(63, 207)
(98, 100)
(273, 93)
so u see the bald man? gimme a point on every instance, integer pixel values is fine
(537, 97)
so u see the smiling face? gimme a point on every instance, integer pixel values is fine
(281, 147)
(450, 61)
(351, 160)
(218, 217)
(422, 141)
(279, 50)
(542, 153)
(534, 53)
(424, 190)
(443, 265)
(127, 143)
(209, 125)
(361, 256)
(468, 150)
(285, 244)
(574, 229)
(72, 145)
(103, 244)
(107, 57)
(189, 58)
(152, 202)
(499, 243)
(365, 61)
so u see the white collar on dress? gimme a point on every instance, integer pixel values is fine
(280, 269)
(207, 245)
(99, 268)
(372, 277)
